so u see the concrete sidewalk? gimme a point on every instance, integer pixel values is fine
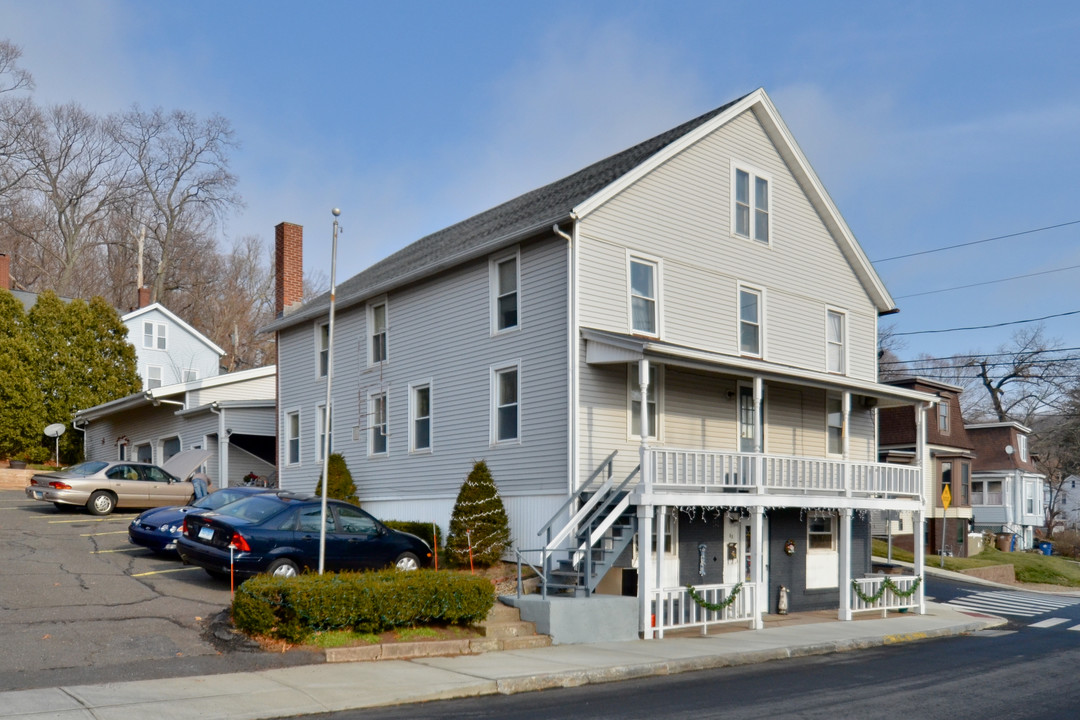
(347, 686)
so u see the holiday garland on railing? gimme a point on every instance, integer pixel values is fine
(715, 607)
(889, 585)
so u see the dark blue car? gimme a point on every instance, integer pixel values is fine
(159, 529)
(278, 533)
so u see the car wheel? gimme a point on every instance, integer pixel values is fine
(101, 503)
(283, 567)
(407, 561)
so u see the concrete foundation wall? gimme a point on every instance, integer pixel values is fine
(570, 621)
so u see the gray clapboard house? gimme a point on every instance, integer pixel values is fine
(231, 415)
(667, 359)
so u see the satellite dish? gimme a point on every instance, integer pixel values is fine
(55, 430)
(1009, 450)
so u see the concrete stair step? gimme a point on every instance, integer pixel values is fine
(504, 622)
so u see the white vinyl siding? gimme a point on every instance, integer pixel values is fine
(802, 270)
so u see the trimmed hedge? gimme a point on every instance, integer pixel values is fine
(421, 530)
(371, 602)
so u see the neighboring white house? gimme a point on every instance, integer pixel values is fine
(1068, 502)
(690, 318)
(1007, 490)
(232, 415)
(169, 351)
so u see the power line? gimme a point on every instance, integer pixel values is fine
(987, 327)
(977, 242)
(988, 282)
(1000, 363)
(980, 356)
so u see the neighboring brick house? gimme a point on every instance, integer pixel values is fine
(948, 458)
(1007, 489)
(669, 357)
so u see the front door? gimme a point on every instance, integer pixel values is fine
(738, 550)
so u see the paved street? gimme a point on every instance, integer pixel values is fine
(80, 604)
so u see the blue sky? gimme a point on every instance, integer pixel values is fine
(930, 124)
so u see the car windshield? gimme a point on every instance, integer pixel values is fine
(255, 508)
(216, 499)
(87, 468)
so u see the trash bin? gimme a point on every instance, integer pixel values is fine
(1004, 542)
(1046, 548)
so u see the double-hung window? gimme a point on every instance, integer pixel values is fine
(377, 412)
(653, 393)
(190, 375)
(834, 411)
(322, 348)
(506, 404)
(1022, 446)
(644, 295)
(946, 480)
(292, 438)
(835, 334)
(153, 377)
(750, 321)
(377, 321)
(154, 335)
(751, 206)
(820, 534)
(943, 415)
(505, 280)
(420, 417)
(325, 428)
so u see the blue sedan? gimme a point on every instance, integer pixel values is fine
(278, 533)
(158, 529)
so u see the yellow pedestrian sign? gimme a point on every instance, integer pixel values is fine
(946, 497)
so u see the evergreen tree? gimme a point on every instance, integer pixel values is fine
(480, 517)
(21, 409)
(341, 486)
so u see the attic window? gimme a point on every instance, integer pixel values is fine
(154, 335)
(751, 205)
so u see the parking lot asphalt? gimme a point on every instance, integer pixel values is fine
(81, 604)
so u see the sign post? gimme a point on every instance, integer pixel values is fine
(946, 500)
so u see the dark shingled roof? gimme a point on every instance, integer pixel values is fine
(535, 211)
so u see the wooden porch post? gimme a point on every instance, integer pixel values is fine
(759, 433)
(645, 567)
(845, 564)
(845, 441)
(757, 545)
(919, 528)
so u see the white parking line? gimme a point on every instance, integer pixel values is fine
(1049, 622)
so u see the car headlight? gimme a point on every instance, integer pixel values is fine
(164, 528)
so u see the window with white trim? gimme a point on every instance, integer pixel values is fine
(153, 376)
(154, 335)
(747, 411)
(644, 298)
(820, 533)
(377, 322)
(322, 348)
(144, 453)
(943, 415)
(750, 205)
(835, 335)
(292, 437)
(378, 413)
(191, 374)
(834, 420)
(322, 424)
(420, 417)
(750, 321)
(505, 280)
(1022, 446)
(986, 492)
(506, 407)
(635, 400)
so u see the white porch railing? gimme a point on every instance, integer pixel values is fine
(887, 599)
(674, 609)
(710, 471)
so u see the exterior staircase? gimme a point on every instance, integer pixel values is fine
(602, 525)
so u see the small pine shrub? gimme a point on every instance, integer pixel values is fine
(341, 485)
(479, 517)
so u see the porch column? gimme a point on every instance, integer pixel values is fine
(845, 441)
(661, 523)
(845, 564)
(919, 528)
(759, 432)
(757, 546)
(643, 383)
(645, 567)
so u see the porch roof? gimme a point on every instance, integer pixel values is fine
(604, 347)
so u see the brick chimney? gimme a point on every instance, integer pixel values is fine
(288, 267)
(144, 297)
(5, 272)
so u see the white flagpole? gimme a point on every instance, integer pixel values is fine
(326, 410)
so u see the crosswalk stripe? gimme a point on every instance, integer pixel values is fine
(1017, 603)
(1075, 627)
(1049, 622)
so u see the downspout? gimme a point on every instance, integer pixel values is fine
(573, 352)
(82, 429)
(223, 446)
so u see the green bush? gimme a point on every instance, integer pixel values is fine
(372, 602)
(341, 485)
(421, 530)
(478, 519)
